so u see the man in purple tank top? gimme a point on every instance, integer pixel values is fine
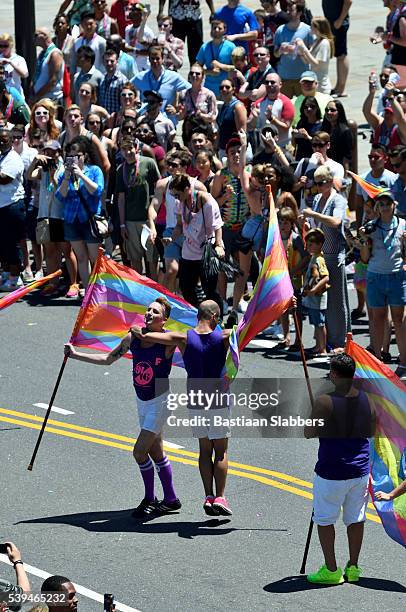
(151, 362)
(343, 421)
(204, 351)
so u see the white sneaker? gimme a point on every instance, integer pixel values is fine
(28, 276)
(38, 275)
(242, 306)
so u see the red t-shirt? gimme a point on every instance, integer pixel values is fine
(118, 12)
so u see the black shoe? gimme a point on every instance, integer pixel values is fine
(232, 320)
(386, 357)
(145, 509)
(165, 506)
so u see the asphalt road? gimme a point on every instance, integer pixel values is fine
(70, 515)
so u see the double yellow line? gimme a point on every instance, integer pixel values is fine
(285, 482)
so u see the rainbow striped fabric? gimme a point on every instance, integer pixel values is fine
(19, 293)
(387, 394)
(115, 299)
(369, 188)
(271, 297)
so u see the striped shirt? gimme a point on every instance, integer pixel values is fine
(336, 206)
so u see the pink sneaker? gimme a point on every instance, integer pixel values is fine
(73, 291)
(208, 506)
(221, 505)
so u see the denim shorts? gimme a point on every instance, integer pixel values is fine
(316, 317)
(173, 250)
(78, 231)
(253, 230)
(386, 289)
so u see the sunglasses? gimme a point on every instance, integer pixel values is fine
(128, 129)
(226, 87)
(319, 145)
(17, 137)
(195, 74)
(397, 166)
(72, 116)
(331, 110)
(144, 131)
(126, 95)
(260, 54)
(271, 82)
(84, 92)
(165, 25)
(375, 157)
(171, 164)
(4, 45)
(319, 183)
(94, 122)
(41, 113)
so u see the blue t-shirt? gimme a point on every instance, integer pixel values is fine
(168, 83)
(399, 191)
(291, 66)
(222, 53)
(239, 20)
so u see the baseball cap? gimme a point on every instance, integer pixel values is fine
(54, 145)
(308, 75)
(386, 193)
(233, 142)
(269, 127)
(152, 93)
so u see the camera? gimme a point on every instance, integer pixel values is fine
(109, 603)
(50, 164)
(3, 549)
(369, 227)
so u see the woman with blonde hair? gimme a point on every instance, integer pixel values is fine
(43, 119)
(15, 65)
(320, 53)
(87, 97)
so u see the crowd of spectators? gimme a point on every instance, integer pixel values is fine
(107, 124)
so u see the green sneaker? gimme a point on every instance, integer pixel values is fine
(325, 576)
(352, 572)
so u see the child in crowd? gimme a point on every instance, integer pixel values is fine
(315, 291)
(298, 259)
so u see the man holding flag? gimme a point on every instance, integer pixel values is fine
(342, 469)
(151, 362)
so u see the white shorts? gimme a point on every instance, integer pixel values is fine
(330, 495)
(215, 425)
(153, 413)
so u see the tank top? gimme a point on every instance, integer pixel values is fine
(56, 93)
(204, 360)
(346, 456)
(150, 364)
(226, 123)
(235, 210)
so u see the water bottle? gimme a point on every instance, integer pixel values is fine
(373, 79)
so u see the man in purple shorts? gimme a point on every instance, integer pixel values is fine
(343, 422)
(204, 351)
(151, 362)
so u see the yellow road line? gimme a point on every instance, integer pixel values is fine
(250, 476)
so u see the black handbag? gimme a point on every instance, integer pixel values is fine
(99, 224)
(211, 262)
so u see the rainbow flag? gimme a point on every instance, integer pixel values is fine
(19, 293)
(271, 297)
(369, 188)
(115, 299)
(387, 395)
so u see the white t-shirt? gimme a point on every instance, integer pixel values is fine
(131, 39)
(11, 165)
(13, 79)
(194, 229)
(321, 52)
(308, 193)
(28, 154)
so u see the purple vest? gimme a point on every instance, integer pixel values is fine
(344, 446)
(150, 364)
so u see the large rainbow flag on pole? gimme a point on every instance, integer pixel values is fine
(271, 297)
(115, 299)
(387, 394)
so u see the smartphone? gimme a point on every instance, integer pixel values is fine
(109, 602)
(3, 549)
(70, 160)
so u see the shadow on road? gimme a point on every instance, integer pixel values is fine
(294, 584)
(122, 521)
